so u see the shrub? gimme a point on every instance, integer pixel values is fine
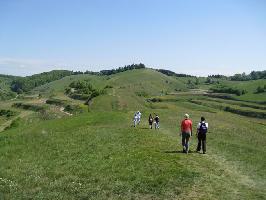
(7, 113)
(32, 107)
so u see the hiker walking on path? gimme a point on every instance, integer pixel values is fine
(135, 119)
(186, 132)
(202, 130)
(138, 117)
(156, 119)
(150, 121)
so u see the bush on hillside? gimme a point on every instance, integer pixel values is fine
(83, 90)
(261, 89)
(227, 89)
(73, 109)
(32, 107)
(4, 95)
(7, 113)
(142, 94)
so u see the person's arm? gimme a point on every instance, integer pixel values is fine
(181, 127)
(198, 127)
(191, 128)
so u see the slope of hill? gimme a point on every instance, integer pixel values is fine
(95, 153)
(250, 87)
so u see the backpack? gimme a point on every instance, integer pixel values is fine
(203, 128)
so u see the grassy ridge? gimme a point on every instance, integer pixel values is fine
(98, 155)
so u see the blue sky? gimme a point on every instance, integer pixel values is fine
(198, 37)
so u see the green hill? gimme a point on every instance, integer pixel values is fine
(56, 147)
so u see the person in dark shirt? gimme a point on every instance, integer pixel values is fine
(202, 130)
(150, 121)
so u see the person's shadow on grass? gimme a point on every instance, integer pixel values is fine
(179, 151)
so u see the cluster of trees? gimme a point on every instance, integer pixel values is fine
(5, 95)
(25, 84)
(229, 90)
(211, 80)
(254, 75)
(83, 90)
(193, 84)
(171, 73)
(122, 69)
(217, 76)
(261, 89)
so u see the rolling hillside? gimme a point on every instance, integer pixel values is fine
(56, 147)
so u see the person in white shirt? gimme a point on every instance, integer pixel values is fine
(202, 130)
(138, 117)
(135, 119)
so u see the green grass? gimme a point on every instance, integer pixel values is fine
(99, 155)
(250, 87)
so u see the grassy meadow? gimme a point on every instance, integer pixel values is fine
(97, 154)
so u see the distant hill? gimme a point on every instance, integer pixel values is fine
(135, 79)
(25, 84)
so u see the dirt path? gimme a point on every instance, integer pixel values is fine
(62, 110)
(7, 123)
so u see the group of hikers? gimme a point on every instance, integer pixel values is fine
(186, 130)
(152, 120)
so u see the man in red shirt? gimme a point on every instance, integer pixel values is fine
(186, 131)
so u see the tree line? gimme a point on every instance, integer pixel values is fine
(171, 73)
(254, 75)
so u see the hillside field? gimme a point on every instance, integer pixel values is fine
(68, 150)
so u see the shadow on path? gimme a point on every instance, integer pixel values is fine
(179, 151)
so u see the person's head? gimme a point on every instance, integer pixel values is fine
(202, 119)
(186, 116)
